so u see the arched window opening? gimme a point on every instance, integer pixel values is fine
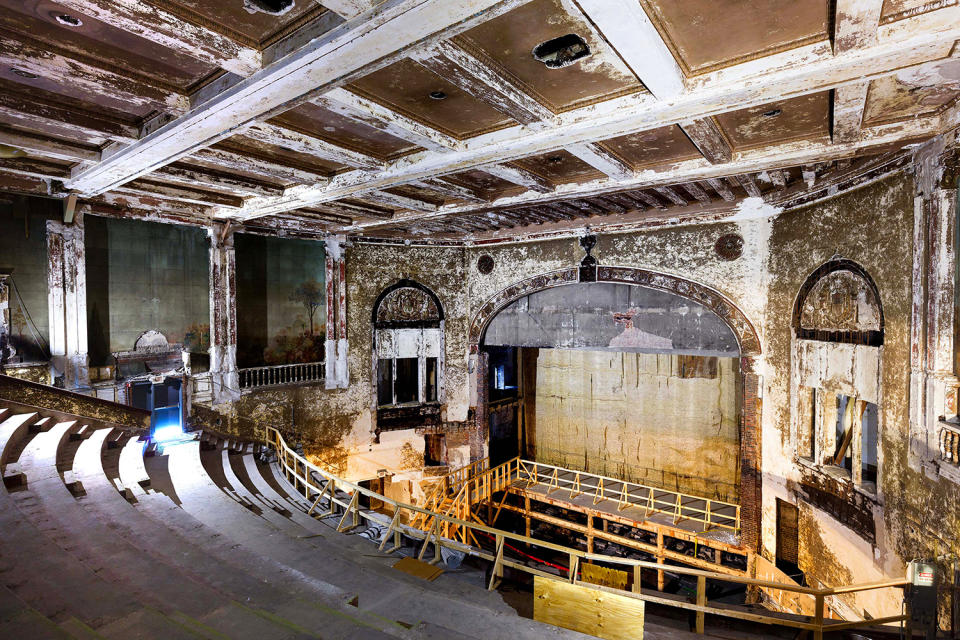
(408, 356)
(839, 302)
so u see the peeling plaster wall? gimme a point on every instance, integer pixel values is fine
(847, 535)
(641, 417)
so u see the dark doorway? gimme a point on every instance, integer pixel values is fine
(434, 452)
(503, 408)
(788, 539)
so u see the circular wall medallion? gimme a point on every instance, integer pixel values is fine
(729, 246)
(485, 264)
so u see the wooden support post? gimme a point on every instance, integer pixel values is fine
(660, 574)
(526, 514)
(818, 617)
(637, 578)
(701, 601)
(497, 573)
(574, 567)
(332, 488)
(589, 533)
(319, 498)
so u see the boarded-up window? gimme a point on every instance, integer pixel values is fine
(807, 432)
(843, 435)
(869, 425)
(788, 533)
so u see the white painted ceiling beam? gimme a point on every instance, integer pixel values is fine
(775, 157)
(602, 160)
(397, 201)
(48, 147)
(855, 24)
(192, 177)
(355, 47)
(808, 70)
(849, 102)
(519, 176)
(302, 143)
(257, 166)
(709, 139)
(349, 8)
(628, 29)
(447, 189)
(153, 23)
(482, 81)
(370, 113)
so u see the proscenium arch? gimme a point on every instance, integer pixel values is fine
(713, 300)
(870, 338)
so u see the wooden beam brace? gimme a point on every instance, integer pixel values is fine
(517, 175)
(709, 139)
(30, 58)
(374, 115)
(671, 195)
(302, 143)
(722, 189)
(849, 101)
(351, 50)
(779, 179)
(855, 24)
(601, 159)
(161, 27)
(479, 79)
(625, 25)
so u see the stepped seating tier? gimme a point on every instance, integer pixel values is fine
(106, 536)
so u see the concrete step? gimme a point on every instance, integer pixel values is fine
(14, 431)
(157, 541)
(148, 624)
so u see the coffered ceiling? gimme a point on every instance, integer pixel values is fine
(479, 120)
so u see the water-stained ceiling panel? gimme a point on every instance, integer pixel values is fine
(806, 117)
(653, 147)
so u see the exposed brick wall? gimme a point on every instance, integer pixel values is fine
(751, 480)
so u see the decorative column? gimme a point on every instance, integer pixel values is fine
(223, 315)
(336, 345)
(67, 303)
(751, 456)
(933, 381)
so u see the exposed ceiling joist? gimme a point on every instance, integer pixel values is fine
(696, 191)
(153, 23)
(601, 159)
(849, 101)
(31, 112)
(749, 185)
(718, 185)
(193, 177)
(49, 147)
(855, 24)
(182, 194)
(398, 201)
(347, 51)
(247, 164)
(671, 195)
(481, 80)
(448, 189)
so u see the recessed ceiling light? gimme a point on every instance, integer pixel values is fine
(24, 74)
(555, 159)
(773, 113)
(562, 51)
(438, 95)
(68, 20)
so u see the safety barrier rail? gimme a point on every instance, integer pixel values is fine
(281, 374)
(317, 483)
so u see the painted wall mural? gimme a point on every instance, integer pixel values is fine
(144, 276)
(281, 300)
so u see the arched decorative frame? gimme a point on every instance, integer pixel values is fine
(426, 412)
(744, 330)
(747, 337)
(869, 338)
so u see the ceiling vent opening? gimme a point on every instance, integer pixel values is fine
(562, 51)
(68, 20)
(23, 74)
(273, 7)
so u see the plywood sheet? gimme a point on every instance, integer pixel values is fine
(578, 608)
(419, 569)
(596, 574)
(788, 601)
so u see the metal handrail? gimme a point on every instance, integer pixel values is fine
(252, 377)
(301, 471)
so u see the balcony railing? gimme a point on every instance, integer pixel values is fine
(256, 377)
(949, 438)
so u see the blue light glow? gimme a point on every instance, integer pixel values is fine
(167, 433)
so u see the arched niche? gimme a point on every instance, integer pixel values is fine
(839, 302)
(408, 356)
